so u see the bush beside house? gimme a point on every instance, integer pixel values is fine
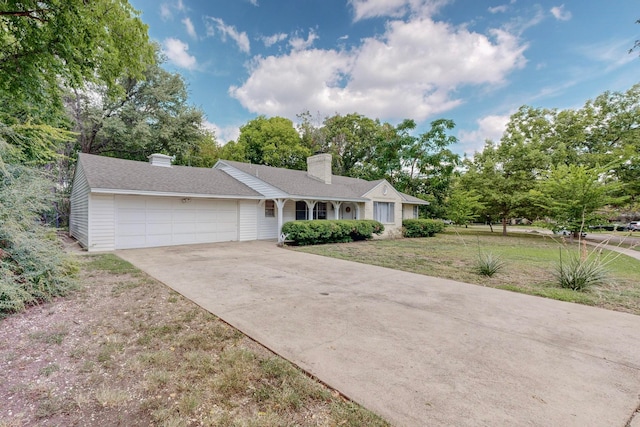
(421, 227)
(330, 231)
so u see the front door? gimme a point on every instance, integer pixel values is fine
(348, 211)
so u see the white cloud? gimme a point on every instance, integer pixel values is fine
(166, 9)
(498, 9)
(363, 9)
(298, 43)
(241, 38)
(413, 70)
(489, 127)
(560, 14)
(273, 39)
(223, 134)
(189, 27)
(254, 2)
(165, 12)
(176, 51)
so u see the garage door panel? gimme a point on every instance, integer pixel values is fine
(161, 221)
(159, 240)
(159, 216)
(131, 216)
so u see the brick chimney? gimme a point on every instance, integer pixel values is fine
(319, 167)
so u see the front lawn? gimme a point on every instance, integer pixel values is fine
(530, 261)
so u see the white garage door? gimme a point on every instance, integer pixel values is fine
(143, 222)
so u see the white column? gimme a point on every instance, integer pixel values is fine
(357, 210)
(336, 209)
(310, 205)
(280, 205)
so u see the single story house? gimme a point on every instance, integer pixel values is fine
(120, 204)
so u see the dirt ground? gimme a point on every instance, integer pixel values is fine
(126, 350)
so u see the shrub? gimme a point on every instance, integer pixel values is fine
(330, 231)
(422, 227)
(578, 272)
(33, 265)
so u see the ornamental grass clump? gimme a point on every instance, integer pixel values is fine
(580, 270)
(488, 264)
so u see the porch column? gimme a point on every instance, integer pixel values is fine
(336, 209)
(280, 205)
(310, 205)
(357, 210)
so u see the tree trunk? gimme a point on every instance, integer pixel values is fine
(504, 226)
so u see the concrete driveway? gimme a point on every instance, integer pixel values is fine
(415, 349)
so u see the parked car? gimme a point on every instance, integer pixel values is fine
(565, 232)
(634, 226)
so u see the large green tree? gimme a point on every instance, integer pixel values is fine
(47, 43)
(270, 141)
(571, 195)
(151, 115)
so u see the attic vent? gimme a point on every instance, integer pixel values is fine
(160, 160)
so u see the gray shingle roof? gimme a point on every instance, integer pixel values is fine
(410, 199)
(300, 184)
(118, 174)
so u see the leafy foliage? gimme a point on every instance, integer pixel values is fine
(462, 206)
(571, 195)
(422, 227)
(151, 116)
(45, 41)
(268, 141)
(330, 231)
(33, 266)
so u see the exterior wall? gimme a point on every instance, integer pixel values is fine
(407, 211)
(248, 220)
(377, 194)
(267, 226)
(102, 227)
(79, 215)
(289, 213)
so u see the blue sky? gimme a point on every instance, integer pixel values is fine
(473, 61)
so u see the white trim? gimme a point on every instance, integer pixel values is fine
(169, 194)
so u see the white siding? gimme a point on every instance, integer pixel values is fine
(101, 223)
(289, 213)
(267, 226)
(79, 214)
(248, 220)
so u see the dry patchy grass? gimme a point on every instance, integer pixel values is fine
(126, 350)
(529, 263)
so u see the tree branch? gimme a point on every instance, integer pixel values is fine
(26, 13)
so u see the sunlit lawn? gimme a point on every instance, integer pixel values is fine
(530, 262)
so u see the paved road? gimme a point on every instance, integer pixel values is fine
(415, 349)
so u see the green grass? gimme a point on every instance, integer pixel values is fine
(529, 263)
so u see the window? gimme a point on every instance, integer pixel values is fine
(301, 211)
(269, 209)
(416, 212)
(383, 212)
(320, 211)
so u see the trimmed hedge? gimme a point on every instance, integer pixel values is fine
(330, 231)
(421, 227)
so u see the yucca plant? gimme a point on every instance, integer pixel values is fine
(488, 264)
(580, 270)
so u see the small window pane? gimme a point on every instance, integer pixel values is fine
(301, 211)
(269, 209)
